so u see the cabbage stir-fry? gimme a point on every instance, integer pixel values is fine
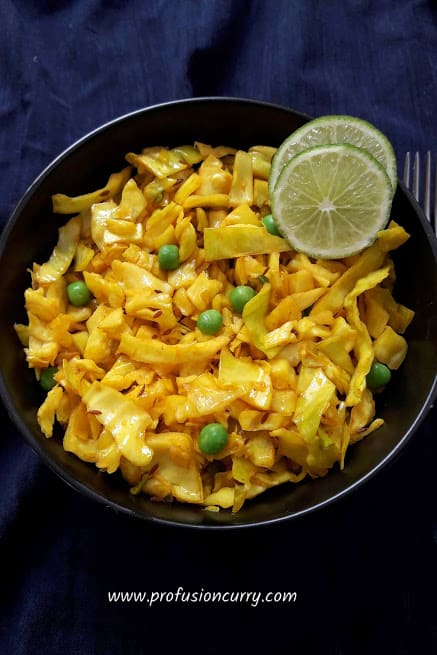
(182, 342)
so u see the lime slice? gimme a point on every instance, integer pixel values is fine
(336, 129)
(331, 201)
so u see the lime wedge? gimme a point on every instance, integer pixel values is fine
(331, 201)
(336, 130)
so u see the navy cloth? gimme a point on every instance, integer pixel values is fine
(365, 568)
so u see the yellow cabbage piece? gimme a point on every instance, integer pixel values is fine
(82, 257)
(260, 450)
(205, 395)
(63, 204)
(203, 290)
(253, 378)
(132, 203)
(47, 411)
(123, 373)
(214, 179)
(123, 418)
(107, 229)
(43, 306)
(104, 289)
(390, 348)
(241, 190)
(188, 153)
(368, 261)
(222, 498)
(364, 350)
(62, 254)
(161, 162)
(101, 450)
(241, 215)
(238, 240)
(176, 464)
(315, 391)
(152, 351)
(254, 315)
(132, 276)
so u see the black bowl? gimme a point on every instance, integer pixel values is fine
(30, 236)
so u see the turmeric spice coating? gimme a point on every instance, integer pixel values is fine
(135, 380)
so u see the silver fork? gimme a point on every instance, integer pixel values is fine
(412, 180)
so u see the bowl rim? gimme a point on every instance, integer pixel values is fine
(107, 125)
(88, 491)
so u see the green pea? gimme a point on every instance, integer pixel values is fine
(210, 321)
(240, 296)
(212, 438)
(47, 380)
(78, 293)
(168, 257)
(378, 376)
(270, 225)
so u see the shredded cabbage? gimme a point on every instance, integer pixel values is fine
(137, 380)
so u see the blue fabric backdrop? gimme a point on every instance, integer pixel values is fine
(364, 569)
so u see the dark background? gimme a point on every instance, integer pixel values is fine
(365, 569)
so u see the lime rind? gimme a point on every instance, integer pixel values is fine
(331, 201)
(336, 129)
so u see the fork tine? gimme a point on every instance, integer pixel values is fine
(427, 189)
(434, 218)
(429, 196)
(416, 176)
(406, 175)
